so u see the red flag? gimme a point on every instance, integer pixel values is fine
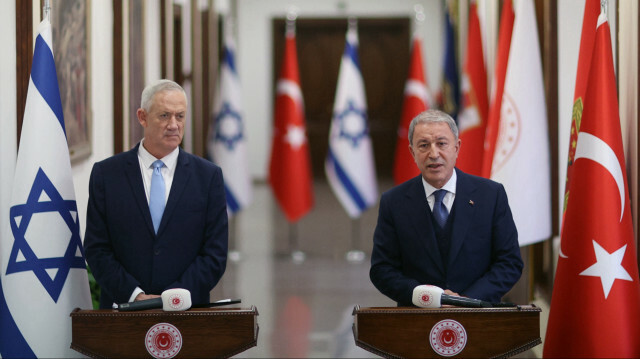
(472, 120)
(415, 102)
(595, 306)
(591, 11)
(504, 45)
(290, 167)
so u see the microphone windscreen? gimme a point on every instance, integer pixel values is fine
(177, 299)
(427, 296)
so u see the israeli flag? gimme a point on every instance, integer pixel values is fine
(349, 165)
(42, 265)
(227, 145)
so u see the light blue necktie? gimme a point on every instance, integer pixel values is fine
(156, 195)
(439, 209)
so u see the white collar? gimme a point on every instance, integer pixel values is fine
(450, 186)
(147, 158)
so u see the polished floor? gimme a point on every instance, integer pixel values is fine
(304, 280)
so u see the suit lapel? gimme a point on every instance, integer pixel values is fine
(180, 180)
(421, 221)
(132, 171)
(464, 212)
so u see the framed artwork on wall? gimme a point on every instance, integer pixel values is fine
(71, 50)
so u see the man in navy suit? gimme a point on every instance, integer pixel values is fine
(136, 253)
(472, 251)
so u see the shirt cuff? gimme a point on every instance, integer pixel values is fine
(135, 294)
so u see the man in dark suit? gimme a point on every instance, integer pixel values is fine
(462, 238)
(154, 225)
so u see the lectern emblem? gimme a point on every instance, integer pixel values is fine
(163, 341)
(448, 337)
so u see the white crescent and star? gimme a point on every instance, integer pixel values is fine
(608, 267)
(295, 136)
(417, 89)
(290, 88)
(593, 148)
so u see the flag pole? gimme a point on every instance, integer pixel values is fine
(354, 254)
(297, 255)
(46, 11)
(418, 27)
(234, 254)
(292, 16)
(353, 23)
(419, 17)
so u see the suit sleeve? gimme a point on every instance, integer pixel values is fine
(109, 273)
(386, 260)
(209, 265)
(506, 262)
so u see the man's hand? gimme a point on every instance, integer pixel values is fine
(143, 296)
(447, 292)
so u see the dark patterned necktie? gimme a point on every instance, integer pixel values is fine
(439, 209)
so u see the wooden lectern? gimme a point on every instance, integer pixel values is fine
(444, 332)
(195, 333)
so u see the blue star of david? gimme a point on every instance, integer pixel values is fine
(229, 140)
(31, 262)
(354, 138)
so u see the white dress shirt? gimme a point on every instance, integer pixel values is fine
(146, 168)
(450, 186)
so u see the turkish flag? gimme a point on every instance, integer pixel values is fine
(290, 167)
(507, 19)
(472, 120)
(595, 306)
(415, 101)
(591, 11)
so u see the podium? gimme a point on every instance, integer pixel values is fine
(405, 332)
(195, 333)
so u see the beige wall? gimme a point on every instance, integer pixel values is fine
(628, 94)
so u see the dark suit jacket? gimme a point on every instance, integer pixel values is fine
(484, 258)
(123, 252)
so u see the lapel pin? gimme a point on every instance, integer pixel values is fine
(471, 202)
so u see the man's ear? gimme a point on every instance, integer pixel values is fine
(142, 117)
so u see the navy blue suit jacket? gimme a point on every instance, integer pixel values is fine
(123, 252)
(484, 258)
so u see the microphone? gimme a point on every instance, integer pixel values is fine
(171, 300)
(218, 303)
(430, 296)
